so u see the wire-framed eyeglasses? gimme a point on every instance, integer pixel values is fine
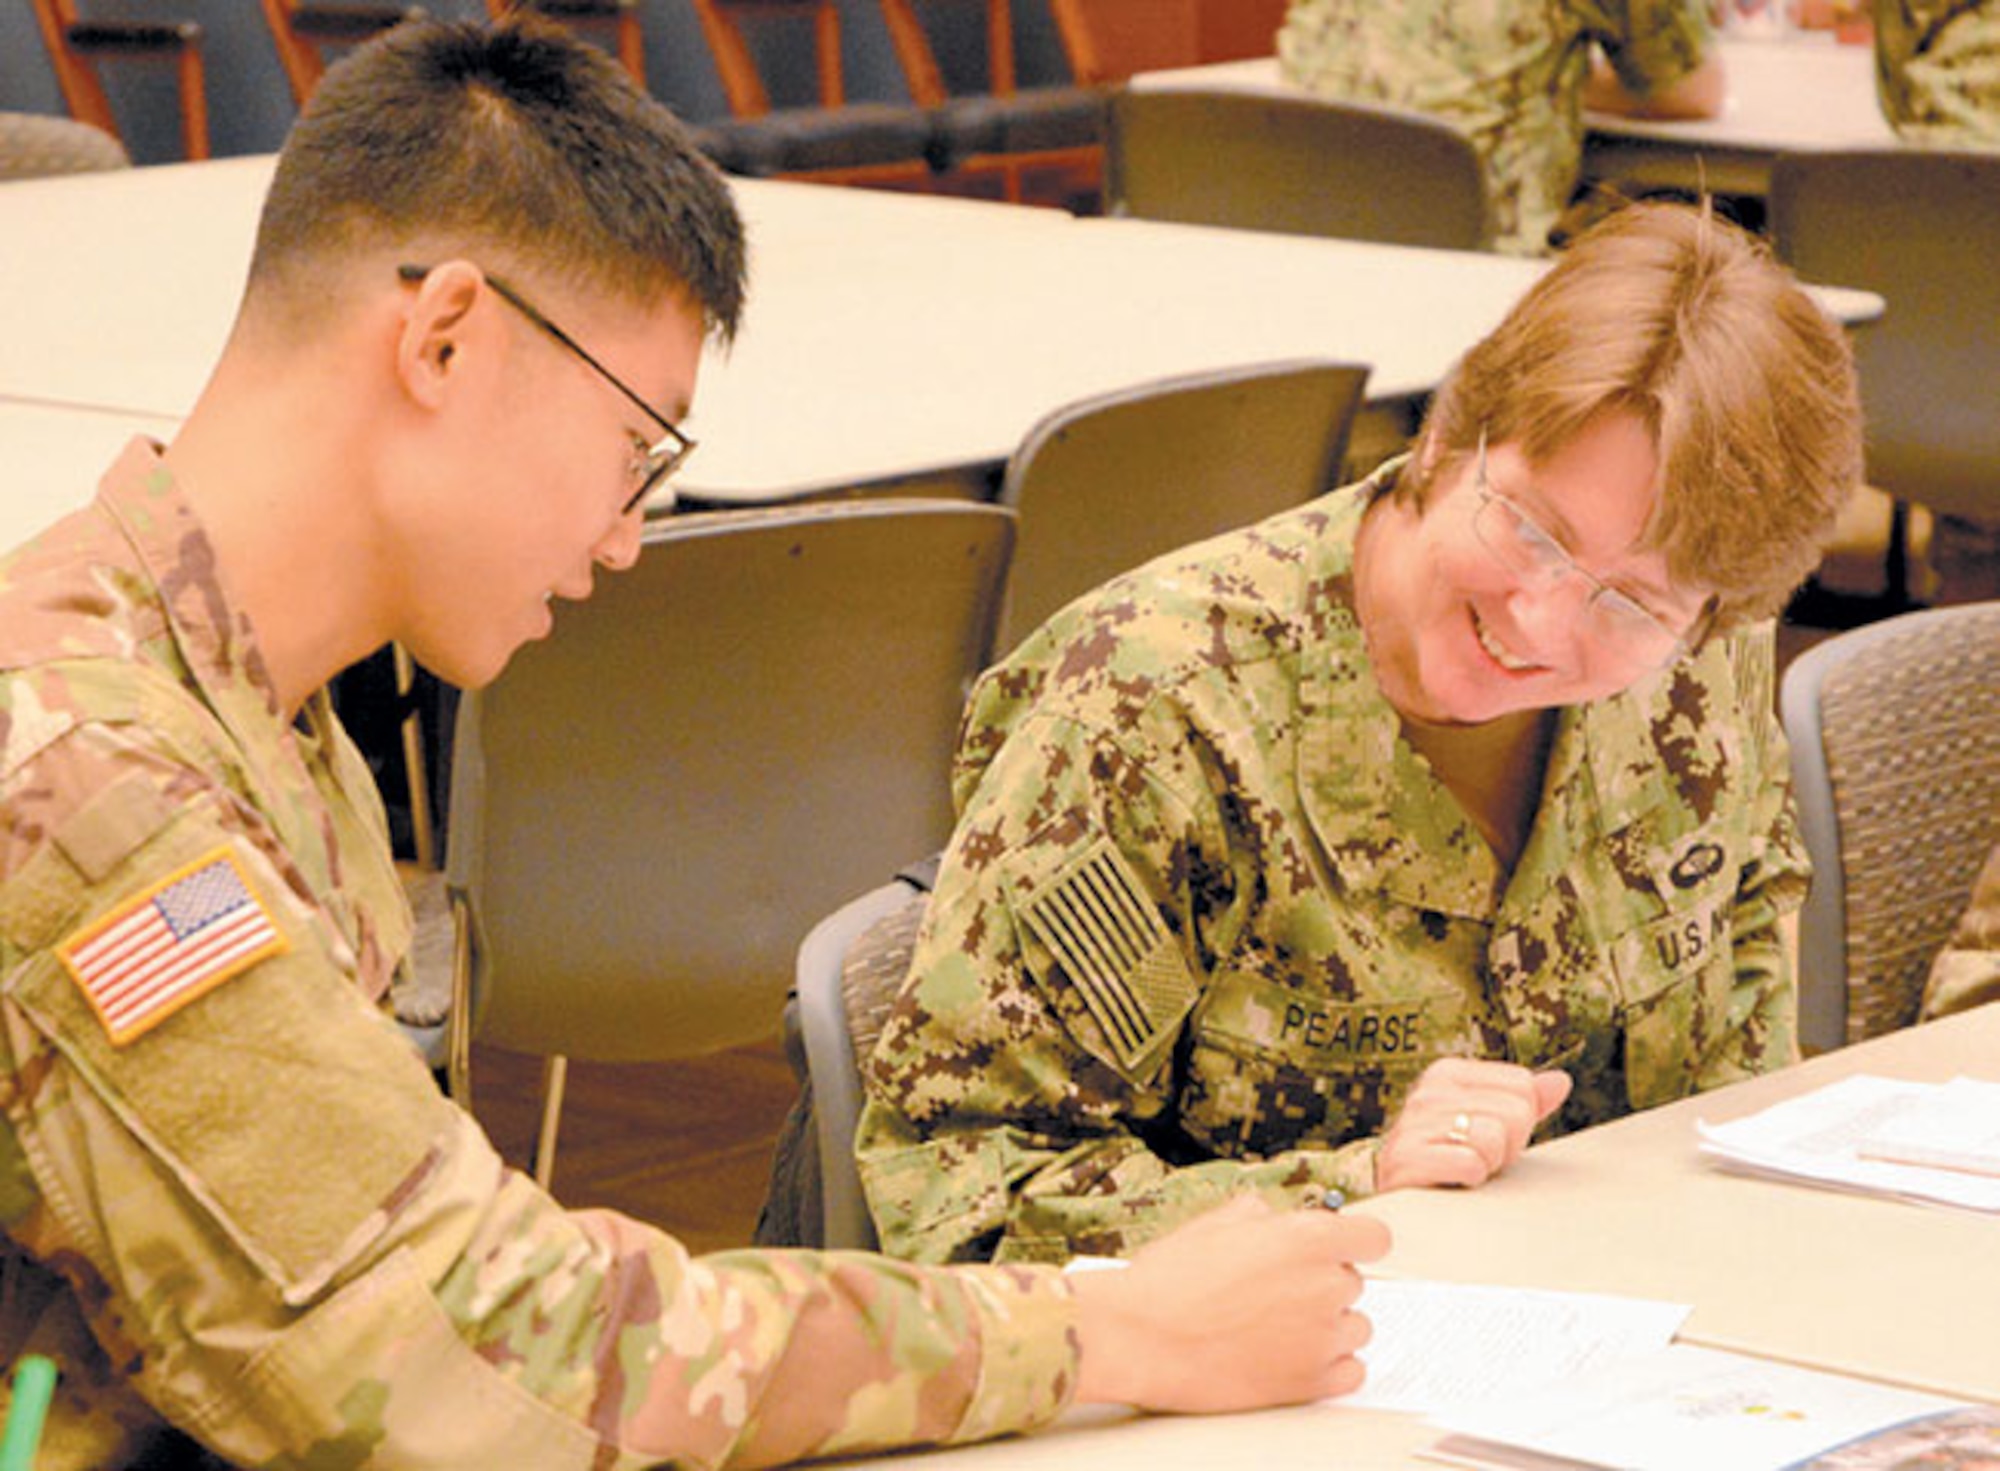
(1614, 621)
(652, 464)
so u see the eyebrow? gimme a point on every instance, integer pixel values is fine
(1559, 526)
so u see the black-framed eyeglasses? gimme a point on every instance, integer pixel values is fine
(1613, 620)
(652, 464)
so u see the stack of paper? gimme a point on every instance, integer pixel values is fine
(1863, 1132)
(1687, 1407)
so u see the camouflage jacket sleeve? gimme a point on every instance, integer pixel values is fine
(1025, 1098)
(1937, 70)
(298, 1252)
(1652, 44)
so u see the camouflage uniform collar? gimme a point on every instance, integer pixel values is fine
(1386, 820)
(167, 537)
(1381, 815)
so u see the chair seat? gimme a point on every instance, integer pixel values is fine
(806, 139)
(34, 146)
(1041, 120)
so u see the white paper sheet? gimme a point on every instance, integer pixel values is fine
(1818, 1138)
(1441, 1344)
(1684, 1407)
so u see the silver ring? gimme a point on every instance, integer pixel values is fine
(1460, 1132)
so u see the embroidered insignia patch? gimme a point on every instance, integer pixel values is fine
(176, 941)
(1114, 947)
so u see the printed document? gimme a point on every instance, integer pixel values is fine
(1824, 1137)
(1684, 1407)
(1441, 1344)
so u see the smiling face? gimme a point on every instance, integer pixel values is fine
(548, 454)
(1459, 636)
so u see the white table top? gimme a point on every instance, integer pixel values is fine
(1885, 1290)
(1801, 91)
(887, 337)
(55, 454)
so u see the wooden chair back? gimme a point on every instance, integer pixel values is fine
(72, 41)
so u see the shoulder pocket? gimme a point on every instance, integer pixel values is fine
(1107, 962)
(278, 1099)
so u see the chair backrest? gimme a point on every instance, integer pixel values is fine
(918, 59)
(34, 145)
(736, 62)
(1107, 483)
(1895, 735)
(1109, 41)
(71, 41)
(849, 971)
(651, 808)
(1297, 165)
(301, 31)
(1921, 226)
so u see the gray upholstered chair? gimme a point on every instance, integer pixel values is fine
(650, 808)
(1112, 481)
(1297, 165)
(1895, 735)
(849, 970)
(34, 145)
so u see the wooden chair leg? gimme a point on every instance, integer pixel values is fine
(555, 1077)
(194, 105)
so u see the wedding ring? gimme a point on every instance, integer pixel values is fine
(1460, 1131)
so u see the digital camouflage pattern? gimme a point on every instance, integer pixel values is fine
(1937, 69)
(259, 1221)
(1509, 73)
(1207, 915)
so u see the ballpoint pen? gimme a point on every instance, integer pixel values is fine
(34, 1384)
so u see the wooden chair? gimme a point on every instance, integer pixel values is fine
(650, 809)
(1045, 143)
(1297, 165)
(618, 17)
(74, 44)
(302, 30)
(1112, 481)
(1107, 41)
(1895, 736)
(835, 141)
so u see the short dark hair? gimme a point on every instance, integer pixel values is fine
(516, 142)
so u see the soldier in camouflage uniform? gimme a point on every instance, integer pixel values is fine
(1344, 849)
(1937, 70)
(1512, 74)
(236, 1209)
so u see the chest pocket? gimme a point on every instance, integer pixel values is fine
(1675, 975)
(1274, 1068)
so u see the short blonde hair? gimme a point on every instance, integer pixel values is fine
(1747, 387)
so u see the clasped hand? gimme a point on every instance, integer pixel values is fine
(1465, 1121)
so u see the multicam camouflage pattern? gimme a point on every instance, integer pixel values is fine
(1937, 69)
(1203, 740)
(1509, 73)
(259, 1222)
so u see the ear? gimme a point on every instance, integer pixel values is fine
(438, 326)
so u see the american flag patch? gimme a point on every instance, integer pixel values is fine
(1111, 942)
(178, 940)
